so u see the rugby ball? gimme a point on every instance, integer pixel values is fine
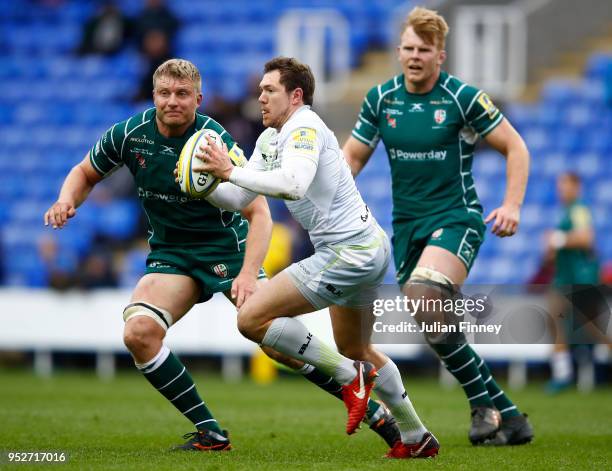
(193, 183)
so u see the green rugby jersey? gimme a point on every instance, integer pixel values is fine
(430, 140)
(576, 266)
(175, 219)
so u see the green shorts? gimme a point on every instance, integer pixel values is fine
(457, 230)
(212, 275)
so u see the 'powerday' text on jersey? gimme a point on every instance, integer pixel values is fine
(430, 140)
(175, 218)
(332, 209)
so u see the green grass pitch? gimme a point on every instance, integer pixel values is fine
(289, 425)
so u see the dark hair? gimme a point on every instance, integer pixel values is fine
(572, 176)
(293, 74)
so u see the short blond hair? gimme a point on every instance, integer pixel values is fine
(179, 69)
(430, 26)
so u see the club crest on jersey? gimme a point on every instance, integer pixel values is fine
(141, 160)
(391, 122)
(221, 270)
(439, 116)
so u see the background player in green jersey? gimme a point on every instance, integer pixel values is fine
(429, 122)
(196, 248)
(571, 246)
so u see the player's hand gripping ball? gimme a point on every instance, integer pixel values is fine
(193, 183)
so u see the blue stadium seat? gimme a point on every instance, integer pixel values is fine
(118, 219)
(133, 268)
(599, 66)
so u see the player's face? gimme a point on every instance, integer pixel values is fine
(176, 101)
(420, 61)
(567, 189)
(275, 101)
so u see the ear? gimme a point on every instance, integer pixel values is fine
(199, 99)
(297, 96)
(442, 57)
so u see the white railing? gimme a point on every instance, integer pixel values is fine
(319, 38)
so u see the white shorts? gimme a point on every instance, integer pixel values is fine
(347, 273)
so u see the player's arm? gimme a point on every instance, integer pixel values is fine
(508, 142)
(257, 243)
(356, 154)
(581, 237)
(290, 181)
(75, 189)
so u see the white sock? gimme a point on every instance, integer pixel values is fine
(390, 389)
(561, 365)
(291, 337)
(154, 362)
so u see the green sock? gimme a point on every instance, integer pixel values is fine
(331, 386)
(461, 364)
(502, 402)
(170, 377)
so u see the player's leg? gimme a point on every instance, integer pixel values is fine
(267, 318)
(436, 276)
(561, 365)
(158, 301)
(352, 331)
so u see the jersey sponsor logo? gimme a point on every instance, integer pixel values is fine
(151, 195)
(221, 270)
(303, 140)
(488, 105)
(142, 140)
(416, 107)
(393, 111)
(393, 101)
(439, 116)
(138, 150)
(167, 150)
(399, 154)
(391, 122)
(158, 265)
(442, 101)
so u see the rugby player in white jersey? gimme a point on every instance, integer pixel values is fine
(299, 160)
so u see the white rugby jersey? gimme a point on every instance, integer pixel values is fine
(332, 208)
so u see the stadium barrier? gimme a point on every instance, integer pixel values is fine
(43, 322)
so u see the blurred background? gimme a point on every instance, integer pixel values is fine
(71, 69)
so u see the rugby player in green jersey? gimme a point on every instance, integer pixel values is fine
(196, 248)
(429, 123)
(571, 245)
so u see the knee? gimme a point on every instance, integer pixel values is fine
(141, 333)
(245, 322)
